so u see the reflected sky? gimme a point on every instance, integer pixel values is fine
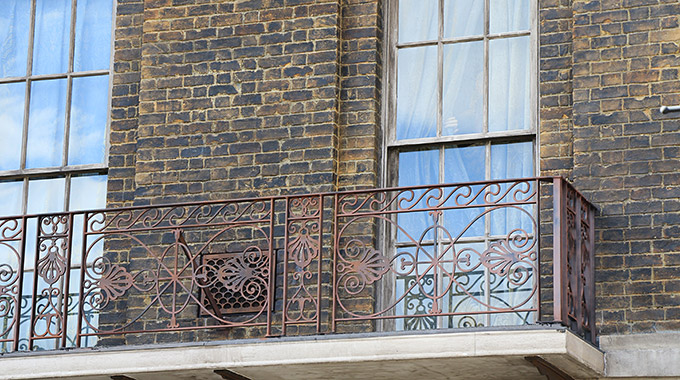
(88, 192)
(46, 195)
(14, 37)
(88, 120)
(93, 35)
(51, 41)
(46, 123)
(10, 197)
(11, 122)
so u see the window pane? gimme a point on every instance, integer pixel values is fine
(510, 84)
(46, 123)
(418, 20)
(52, 21)
(12, 121)
(46, 195)
(509, 15)
(417, 168)
(10, 198)
(465, 164)
(463, 18)
(463, 107)
(93, 35)
(512, 160)
(14, 22)
(88, 192)
(88, 120)
(417, 93)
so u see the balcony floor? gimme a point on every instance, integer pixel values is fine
(467, 354)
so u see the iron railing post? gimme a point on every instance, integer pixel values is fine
(559, 242)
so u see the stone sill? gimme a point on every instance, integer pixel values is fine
(485, 354)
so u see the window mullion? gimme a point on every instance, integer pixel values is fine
(67, 192)
(24, 196)
(485, 122)
(27, 93)
(69, 85)
(67, 121)
(440, 68)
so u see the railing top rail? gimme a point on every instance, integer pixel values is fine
(288, 196)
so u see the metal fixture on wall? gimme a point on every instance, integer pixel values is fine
(667, 109)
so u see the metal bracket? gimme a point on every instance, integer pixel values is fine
(666, 109)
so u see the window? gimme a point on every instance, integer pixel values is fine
(54, 95)
(461, 108)
(55, 69)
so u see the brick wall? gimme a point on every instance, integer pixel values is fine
(232, 99)
(216, 99)
(555, 87)
(626, 156)
(125, 102)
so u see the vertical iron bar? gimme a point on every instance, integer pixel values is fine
(67, 279)
(81, 291)
(34, 292)
(336, 245)
(284, 309)
(578, 261)
(20, 279)
(558, 242)
(272, 267)
(538, 250)
(319, 259)
(590, 300)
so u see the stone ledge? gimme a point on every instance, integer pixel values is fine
(471, 355)
(655, 355)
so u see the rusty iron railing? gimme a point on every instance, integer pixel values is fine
(438, 256)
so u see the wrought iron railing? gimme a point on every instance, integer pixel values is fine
(504, 252)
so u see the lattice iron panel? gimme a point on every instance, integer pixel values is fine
(221, 296)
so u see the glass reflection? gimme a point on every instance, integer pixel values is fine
(513, 161)
(465, 164)
(510, 84)
(463, 103)
(10, 198)
(93, 35)
(463, 18)
(418, 20)
(509, 15)
(417, 93)
(417, 168)
(46, 123)
(88, 120)
(88, 192)
(51, 41)
(12, 122)
(46, 195)
(14, 34)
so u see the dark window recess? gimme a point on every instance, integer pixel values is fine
(237, 282)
